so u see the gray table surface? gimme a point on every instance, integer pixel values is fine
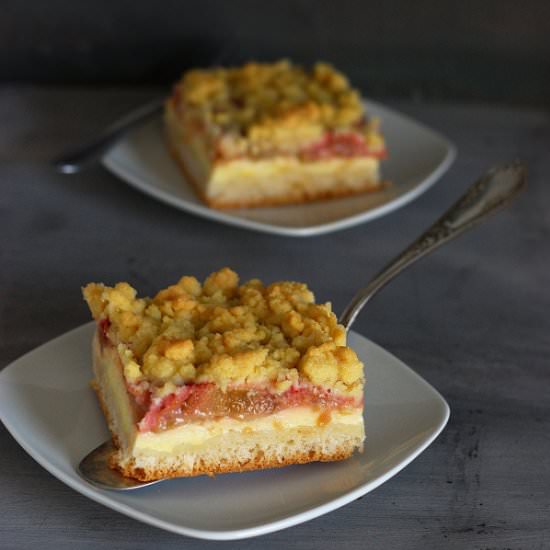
(473, 319)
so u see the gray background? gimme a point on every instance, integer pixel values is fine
(490, 50)
(472, 319)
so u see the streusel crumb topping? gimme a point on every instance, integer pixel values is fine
(226, 333)
(259, 106)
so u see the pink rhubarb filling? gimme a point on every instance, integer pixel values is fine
(331, 145)
(196, 402)
(350, 144)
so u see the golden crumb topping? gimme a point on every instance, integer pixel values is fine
(226, 333)
(263, 105)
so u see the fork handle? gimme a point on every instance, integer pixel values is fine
(490, 193)
(91, 152)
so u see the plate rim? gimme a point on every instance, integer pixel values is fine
(127, 174)
(101, 496)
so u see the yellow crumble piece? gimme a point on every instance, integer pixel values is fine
(226, 333)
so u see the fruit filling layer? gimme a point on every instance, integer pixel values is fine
(196, 402)
(334, 145)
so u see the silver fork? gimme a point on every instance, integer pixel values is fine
(85, 155)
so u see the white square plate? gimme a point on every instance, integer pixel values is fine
(418, 157)
(47, 405)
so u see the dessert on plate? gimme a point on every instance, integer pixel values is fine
(222, 377)
(272, 133)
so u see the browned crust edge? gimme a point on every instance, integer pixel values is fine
(259, 462)
(284, 200)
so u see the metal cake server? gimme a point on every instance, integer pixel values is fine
(490, 193)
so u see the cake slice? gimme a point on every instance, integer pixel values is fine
(216, 377)
(272, 133)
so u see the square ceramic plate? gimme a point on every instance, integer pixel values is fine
(47, 405)
(418, 158)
